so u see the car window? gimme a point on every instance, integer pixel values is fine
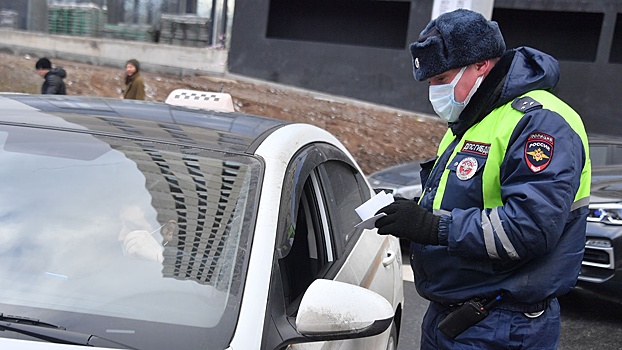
(303, 249)
(345, 190)
(308, 254)
(317, 216)
(617, 155)
(103, 229)
(598, 155)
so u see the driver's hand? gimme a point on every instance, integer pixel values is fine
(140, 243)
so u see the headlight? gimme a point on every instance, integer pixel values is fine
(608, 213)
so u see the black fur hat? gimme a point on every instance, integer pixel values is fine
(453, 40)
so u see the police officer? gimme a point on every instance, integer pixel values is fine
(499, 231)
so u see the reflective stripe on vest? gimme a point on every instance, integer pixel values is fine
(495, 129)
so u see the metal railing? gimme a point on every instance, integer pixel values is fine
(158, 21)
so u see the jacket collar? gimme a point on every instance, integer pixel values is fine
(486, 98)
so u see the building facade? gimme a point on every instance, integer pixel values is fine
(359, 49)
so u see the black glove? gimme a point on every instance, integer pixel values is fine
(407, 219)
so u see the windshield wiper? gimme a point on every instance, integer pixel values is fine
(27, 320)
(53, 333)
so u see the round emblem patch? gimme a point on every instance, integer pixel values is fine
(539, 151)
(417, 62)
(466, 168)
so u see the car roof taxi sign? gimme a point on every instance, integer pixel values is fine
(214, 101)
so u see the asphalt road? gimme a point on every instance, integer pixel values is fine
(588, 322)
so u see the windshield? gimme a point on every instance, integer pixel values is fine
(141, 243)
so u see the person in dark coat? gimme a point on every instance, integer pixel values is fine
(498, 233)
(53, 84)
(134, 84)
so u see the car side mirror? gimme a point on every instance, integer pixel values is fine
(332, 310)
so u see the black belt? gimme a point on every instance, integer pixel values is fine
(508, 305)
(524, 307)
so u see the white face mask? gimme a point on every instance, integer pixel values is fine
(444, 102)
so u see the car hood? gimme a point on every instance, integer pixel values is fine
(599, 199)
(406, 174)
(606, 189)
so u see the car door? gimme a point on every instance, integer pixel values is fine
(317, 238)
(371, 260)
(366, 259)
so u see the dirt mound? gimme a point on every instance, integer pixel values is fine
(376, 136)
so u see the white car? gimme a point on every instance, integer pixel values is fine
(141, 225)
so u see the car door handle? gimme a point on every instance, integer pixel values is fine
(389, 259)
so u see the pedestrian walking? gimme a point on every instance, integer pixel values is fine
(53, 83)
(134, 84)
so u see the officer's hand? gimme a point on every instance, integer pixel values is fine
(407, 219)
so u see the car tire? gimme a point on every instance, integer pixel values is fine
(392, 342)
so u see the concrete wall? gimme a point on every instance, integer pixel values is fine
(368, 71)
(153, 57)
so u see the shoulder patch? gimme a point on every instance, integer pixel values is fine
(539, 151)
(525, 104)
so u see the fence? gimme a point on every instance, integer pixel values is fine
(185, 30)
(149, 24)
(124, 31)
(89, 20)
(75, 19)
